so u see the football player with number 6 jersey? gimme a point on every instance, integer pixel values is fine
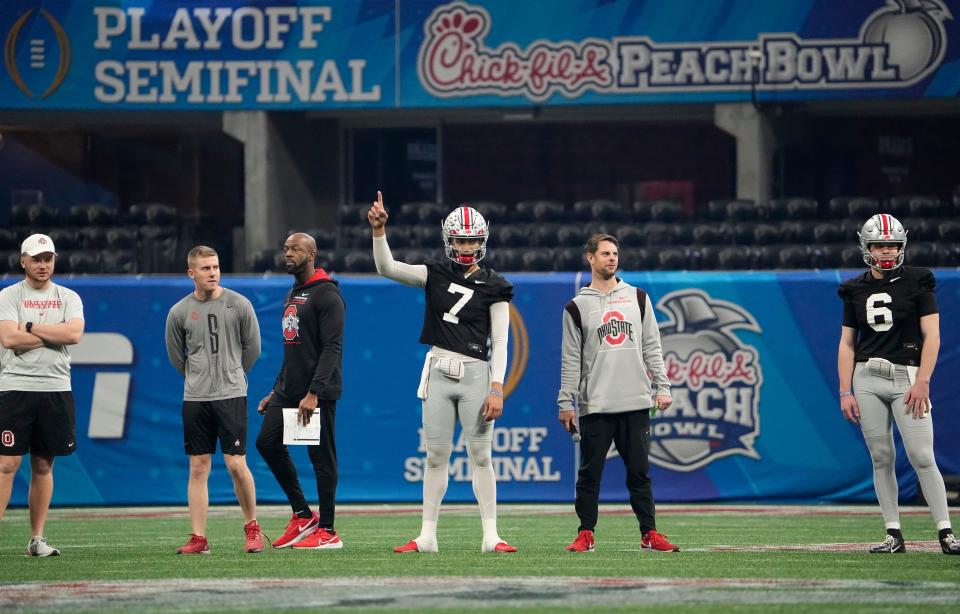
(466, 307)
(888, 347)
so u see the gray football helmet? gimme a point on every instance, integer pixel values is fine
(882, 228)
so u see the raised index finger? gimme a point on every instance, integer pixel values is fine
(379, 199)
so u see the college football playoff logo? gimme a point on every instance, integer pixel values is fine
(41, 63)
(715, 382)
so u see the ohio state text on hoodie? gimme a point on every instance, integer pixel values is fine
(610, 352)
(312, 326)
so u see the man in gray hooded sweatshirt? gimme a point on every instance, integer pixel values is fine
(610, 352)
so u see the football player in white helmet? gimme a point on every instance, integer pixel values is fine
(467, 308)
(889, 344)
(465, 236)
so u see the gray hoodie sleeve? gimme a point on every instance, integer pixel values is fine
(249, 337)
(571, 351)
(176, 342)
(653, 351)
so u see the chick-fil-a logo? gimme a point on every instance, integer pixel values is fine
(901, 43)
(454, 61)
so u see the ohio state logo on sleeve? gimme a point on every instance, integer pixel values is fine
(615, 328)
(291, 324)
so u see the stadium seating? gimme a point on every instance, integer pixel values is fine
(673, 259)
(492, 211)
(742, 211)
(82, 261)
(8, 240)
(640, 211)
(666, 212)
(730, 234)
(538, 260)
(548, 211)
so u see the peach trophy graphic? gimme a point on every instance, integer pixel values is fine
(914, 33)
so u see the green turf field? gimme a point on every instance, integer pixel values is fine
(805, 559)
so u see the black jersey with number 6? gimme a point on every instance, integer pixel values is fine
(886, 313)
(457, 313)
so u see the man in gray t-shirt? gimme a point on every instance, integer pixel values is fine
(38, 320)
(213, 339)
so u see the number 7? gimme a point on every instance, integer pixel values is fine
(451, 316)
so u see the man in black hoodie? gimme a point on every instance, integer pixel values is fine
(310, 378)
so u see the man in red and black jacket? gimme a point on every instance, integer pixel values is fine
(310, 378)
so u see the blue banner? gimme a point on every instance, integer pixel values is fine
(332, 54)
(752, 358)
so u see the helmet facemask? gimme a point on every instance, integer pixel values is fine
(886, 229)
(465, 223)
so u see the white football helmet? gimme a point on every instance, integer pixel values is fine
(882, 228)
(465, 222)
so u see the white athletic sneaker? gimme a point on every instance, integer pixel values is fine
(39, 547)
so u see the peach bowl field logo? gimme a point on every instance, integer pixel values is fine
(898, 45)
(36, 53)
(715, 383)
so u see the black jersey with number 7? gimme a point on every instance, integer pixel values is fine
(457, 312)
(886, 313)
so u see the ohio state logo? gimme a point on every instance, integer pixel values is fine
(615, 328)
(291, 323)
(715, 382)
(7, 439)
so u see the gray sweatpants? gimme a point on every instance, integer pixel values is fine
(448, 400)
(881, 395)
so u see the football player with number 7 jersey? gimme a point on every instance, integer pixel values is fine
(466, 307)
(888, 347)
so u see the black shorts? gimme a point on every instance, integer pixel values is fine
(41, 423)
(206, 421)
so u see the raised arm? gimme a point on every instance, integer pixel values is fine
(407, 274)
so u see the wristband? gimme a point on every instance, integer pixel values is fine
(496, 393)
(845, 393)
(29, 327)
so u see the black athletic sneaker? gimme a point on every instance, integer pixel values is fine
(950, 544)
(890, 545)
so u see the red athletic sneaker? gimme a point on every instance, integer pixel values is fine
(657, 541)
(583, 543)
(297, 529)
(254, 541)
(320, 539)
(413, 546)
(195, 545)
(410, 546)
(504, 547)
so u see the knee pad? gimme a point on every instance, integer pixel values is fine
(438, 455)
(881, 451)
(921, 460)
(479, 452)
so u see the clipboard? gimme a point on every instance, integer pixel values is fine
(295, 434)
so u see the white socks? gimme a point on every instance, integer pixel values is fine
(435, 479)
(485, 490)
